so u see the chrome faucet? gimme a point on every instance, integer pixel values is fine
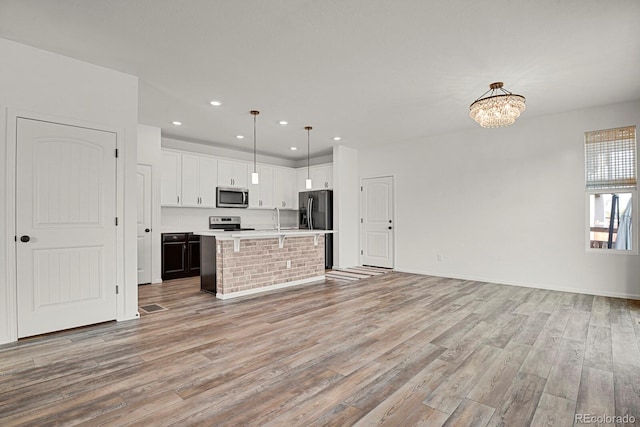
(277, 218)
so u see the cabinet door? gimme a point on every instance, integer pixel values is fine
(261, 195)
(225, 173)
(239, 174)
(301, 179)
(283, 188)
(193, 256)
(266, 187)
(232, 174)
(328, 176)
(208, 178)
(322, 177)
(289, 193)
(318, 177)
(190, 181)
(254, 190)
(174, 250)
(170, 178)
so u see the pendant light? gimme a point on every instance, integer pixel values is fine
(307, 184)
(255, 179)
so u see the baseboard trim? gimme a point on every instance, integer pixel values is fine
(271, 287)
(526, 285)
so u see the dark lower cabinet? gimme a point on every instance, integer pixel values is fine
(180, 255)
(193, 264)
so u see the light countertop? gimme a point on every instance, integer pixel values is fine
(236, 236)
(258, 234)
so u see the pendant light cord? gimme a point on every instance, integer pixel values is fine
(254, 113)
(308, 145)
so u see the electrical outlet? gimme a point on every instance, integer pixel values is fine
(440, 258)
(289, 264)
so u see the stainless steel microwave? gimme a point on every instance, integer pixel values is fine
(232, 197)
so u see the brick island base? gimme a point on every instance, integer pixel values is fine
(262, 265)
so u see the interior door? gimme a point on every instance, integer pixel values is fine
(65, 223)
(377, 222)
(144, 224)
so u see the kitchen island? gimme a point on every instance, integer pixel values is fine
(242, 263)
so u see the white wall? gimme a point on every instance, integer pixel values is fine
(504, 205)
(37, 83)
(346, 201)
(149, 153)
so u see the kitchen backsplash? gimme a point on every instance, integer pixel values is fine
(181, 219)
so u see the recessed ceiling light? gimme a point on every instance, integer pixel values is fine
(216, 103)
(240, 136)
(336, 138)
(283, 122)
(177, 123)
(293, 148)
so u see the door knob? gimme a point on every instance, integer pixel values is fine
(146, 230)
(25, 238)
(390, 228)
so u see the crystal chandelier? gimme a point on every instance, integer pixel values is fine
(499, 108)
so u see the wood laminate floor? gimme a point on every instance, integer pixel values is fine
(396, 349)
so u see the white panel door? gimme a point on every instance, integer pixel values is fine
(144, 224)
(65, 222)
(377, 222)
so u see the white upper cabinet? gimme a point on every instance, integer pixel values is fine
(190, 180)
(199, 176)
(261, 195)
(232, 174)
(171, 178)
(321, 177)
(285, 193)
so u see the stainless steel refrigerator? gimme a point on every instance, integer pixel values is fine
(316, 213)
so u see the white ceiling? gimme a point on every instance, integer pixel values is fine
(371, 71)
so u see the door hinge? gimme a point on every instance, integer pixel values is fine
(116, 221)
(361, 252)
(117, 152)
(15, 238)
(361, 188)
(361, 221)
(117, 290)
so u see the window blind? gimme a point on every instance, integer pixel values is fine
(610, 158)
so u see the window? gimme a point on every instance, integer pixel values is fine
(611, 184)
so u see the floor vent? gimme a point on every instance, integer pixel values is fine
(152, 308)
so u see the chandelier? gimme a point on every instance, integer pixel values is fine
(499, 108)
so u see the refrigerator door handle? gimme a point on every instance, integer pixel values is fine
(309, 213)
